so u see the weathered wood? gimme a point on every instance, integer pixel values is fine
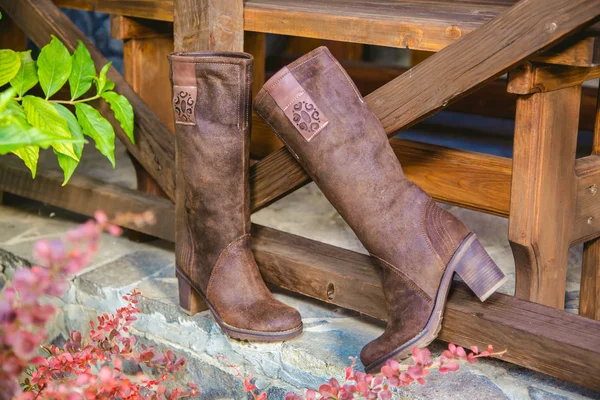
(537, 337)
(543, 193)
(209, 25)
(533, 78)
(154, 147)
(84, 195)
(589, 296)
(161, 10)
(263, 141)
(576, 52)
(587, 209)
(124, 28)
(11, 36)
(427, 26)
(471, 62)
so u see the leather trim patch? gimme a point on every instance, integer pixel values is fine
(297, 106)
(184, 104)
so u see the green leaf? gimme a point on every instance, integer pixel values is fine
(102, 82)
(123, 111)
(27, 77)
(13, 136)
(42, 115)
(83, 72)
(30, 156)
(67, 164)
(5, 98)
(54, 66)
(98, 128)
(9, 65)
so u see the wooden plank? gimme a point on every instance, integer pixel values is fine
(161, 10)
(537, 337)
(124, 28)
(413, 24)
(544, 193)
(262, 141)
(209, 25)
(574, 51)
(533, 78)
(11, 36)
(154, 147)
(477, 59)
(589, 296)
(84, 195)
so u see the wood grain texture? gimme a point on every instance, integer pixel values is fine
(154, 147)
(469, 64)
(209, 25)
(533, 78)
(418, 25)
(11, 36)
(538, 337)
(589, 295)
(161, 10)
(124, 28)
(543, 193)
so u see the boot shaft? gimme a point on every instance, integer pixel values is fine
(211, 108)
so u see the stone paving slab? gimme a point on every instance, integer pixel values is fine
(331, 334)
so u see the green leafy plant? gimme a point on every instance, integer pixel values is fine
(28, 122)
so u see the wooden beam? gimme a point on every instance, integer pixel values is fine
(124, 28)
(544, 193)
(534, 78)
(470, 63)
(537, 337)
(209, 25)
(154, 147)
(392, 24)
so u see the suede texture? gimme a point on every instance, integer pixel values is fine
(407, 234)
(211, 104)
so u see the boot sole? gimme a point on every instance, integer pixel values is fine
(475, 267)
(190, 300)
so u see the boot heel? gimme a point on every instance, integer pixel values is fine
(477, 269)
(189, 299)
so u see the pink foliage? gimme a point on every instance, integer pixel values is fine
(358, 385)
(84, 368)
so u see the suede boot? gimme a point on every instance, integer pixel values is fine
(211, 106)
(316, 110)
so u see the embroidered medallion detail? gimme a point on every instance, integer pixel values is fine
(306, 117)
(184, 101)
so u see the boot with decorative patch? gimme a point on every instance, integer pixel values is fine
(318, 113)
(211, 106)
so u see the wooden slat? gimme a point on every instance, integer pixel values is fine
(154, 147)
(537, 337)
(589, 296)
(534, 78)
(544, 193)
(471, 62)
(418, 25)
(161, 10)
(124, 28)
(589, 299)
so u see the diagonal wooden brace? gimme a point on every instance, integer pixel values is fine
(155, 145)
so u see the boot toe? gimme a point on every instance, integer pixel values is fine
(279, 317)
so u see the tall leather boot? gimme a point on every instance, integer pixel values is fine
(315, 109)
(211, 106)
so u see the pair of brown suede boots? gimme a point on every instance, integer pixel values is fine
(315, 109)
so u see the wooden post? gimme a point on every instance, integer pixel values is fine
(146, 45)
(202, 25)
(589, 295)
(544, 188)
